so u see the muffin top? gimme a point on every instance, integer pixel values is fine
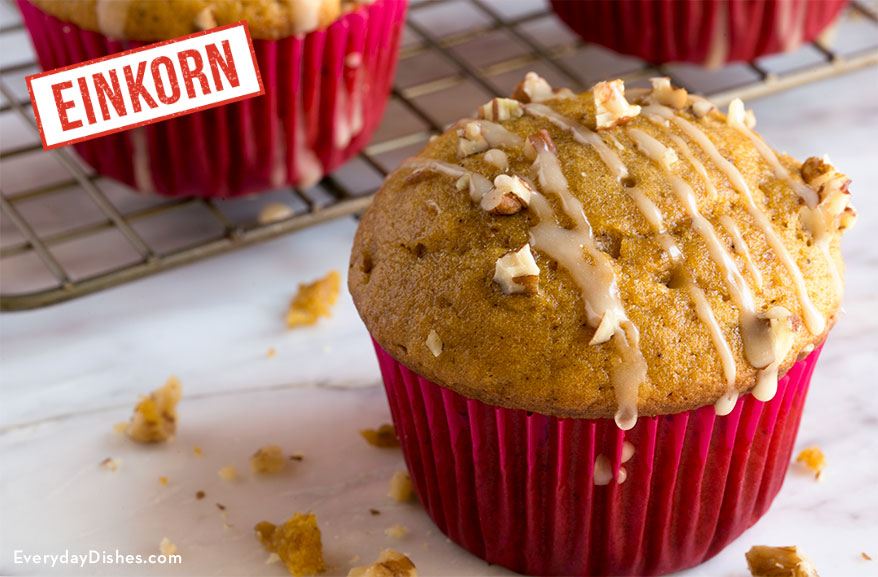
(149, 20)
(606, 254)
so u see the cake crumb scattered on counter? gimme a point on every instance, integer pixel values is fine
(401, 487)
(163, 481)
(111, 464)
(865, 556)
(166, 547)
(155, 416)
(268, 460)
(374, 512)
(271, 352)
(297, 457)
(120, 427)
(220, 506)
(297, 542)
(396, 531)
(384, 436)
(314, 300)
(200, 495)
(765, 561)
(197, 451)
(814, 459)
(272, 559)
(389, 564)
(228, 473)
(274, 212)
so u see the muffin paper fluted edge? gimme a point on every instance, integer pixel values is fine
(518, 489)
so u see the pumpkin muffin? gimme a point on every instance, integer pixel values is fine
(326, 67)
(636, 271)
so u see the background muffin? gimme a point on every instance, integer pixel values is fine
(708, 32)
(327, 67)
(563, 260)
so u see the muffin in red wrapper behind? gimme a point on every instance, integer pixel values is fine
(325, 92)
(707, 32)
(596, 320)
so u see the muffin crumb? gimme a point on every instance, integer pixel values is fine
(384, 436)
(111, 464)
(397, 531)
(166, 547)
(268, 460)
(389, 564)
(120, 427)
(314, 300)
(199, 495)
(228, 473)
(401, 489)
(155, 416)
(274, 212)
(163, 481)
(271, 353)
(220, 506)
(814, 460)
(865, 556)
(198, 451)
(297, 542)
(765, 561)
(374, 512)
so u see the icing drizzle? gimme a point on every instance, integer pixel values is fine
(814, 321)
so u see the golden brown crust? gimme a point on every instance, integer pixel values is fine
(424, 256)
(149, 20)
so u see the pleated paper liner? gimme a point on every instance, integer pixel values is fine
(518, 489)
(324, 97)
(709, 32)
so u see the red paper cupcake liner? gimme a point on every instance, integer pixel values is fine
(324, 97)
(517, 488)
(709, 32)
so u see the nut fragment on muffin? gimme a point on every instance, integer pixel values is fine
(389, 564)
(155, 416)
(765, 561)
(297, 542)
(384, 436)
(314, 300)
(268, 460)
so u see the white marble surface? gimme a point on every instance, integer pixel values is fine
(71, 371)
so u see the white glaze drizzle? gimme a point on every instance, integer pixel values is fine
(582, 135)
(760, 346)
(740, 247)
(696, 164)
(814, 320)
(595, 278)
(704, 312)
(807, 194)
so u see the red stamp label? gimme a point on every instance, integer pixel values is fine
(144, 85)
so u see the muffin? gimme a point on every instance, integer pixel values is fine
(596, 317)
(709, 32)
(327, 68)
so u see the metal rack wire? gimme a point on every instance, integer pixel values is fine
(66, 232)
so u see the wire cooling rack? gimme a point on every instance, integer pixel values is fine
(66, 232)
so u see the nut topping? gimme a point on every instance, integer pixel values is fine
(434, 343)
(701, 107)
(471, 140)
(664, 93)
(833, 211)
(534, 88)
(611, 108)
(509, 195)
(500, 109)
(517, 272)
(498, 158)
(738, 116)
